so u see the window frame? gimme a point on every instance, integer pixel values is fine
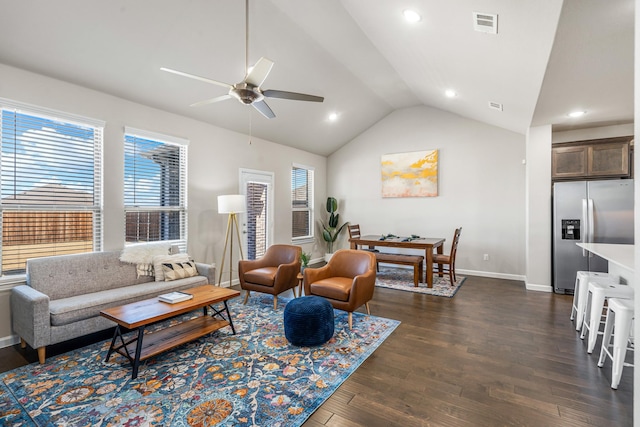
(182, 207)
(96, 208)
(309, 238)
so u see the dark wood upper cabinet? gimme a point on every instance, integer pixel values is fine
(598, 158)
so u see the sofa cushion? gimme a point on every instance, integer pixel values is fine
(179, 270)
(65, 276)
(73, 309)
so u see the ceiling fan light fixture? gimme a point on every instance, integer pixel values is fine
(575, 114)
(246, 94)
(411, 15)
(333, 117)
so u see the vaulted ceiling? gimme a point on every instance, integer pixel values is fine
(548, 58)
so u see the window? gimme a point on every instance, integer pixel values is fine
(51, 184)
(155, 187)
(302, 202)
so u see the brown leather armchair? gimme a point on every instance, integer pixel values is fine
(347, 281)
(273, 274)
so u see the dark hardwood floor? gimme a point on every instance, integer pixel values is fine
(494, 355)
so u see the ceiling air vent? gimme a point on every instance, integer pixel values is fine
(485, 22)
(495, 105)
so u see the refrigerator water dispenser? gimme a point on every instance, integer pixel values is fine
(570, 229)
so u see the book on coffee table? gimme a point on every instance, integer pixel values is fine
(174, 297)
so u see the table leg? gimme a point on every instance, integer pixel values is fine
(136, 360)
(220, 313)
(428, 259)
(116, 334)
(226, 307)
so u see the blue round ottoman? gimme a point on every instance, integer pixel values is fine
(308, 321)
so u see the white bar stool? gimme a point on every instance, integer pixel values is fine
(580, 292)
(620, 314)
(596, 295)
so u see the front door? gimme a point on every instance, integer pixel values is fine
(257, 222)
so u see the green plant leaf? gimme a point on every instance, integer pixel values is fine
(332, 204)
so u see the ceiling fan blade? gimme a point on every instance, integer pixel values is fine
(291, 95)
(264, 109)
(193, 76)
(259, 72)
(211, 101)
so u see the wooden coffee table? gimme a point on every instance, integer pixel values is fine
(140, 314)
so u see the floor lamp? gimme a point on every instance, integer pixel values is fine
(232, 205)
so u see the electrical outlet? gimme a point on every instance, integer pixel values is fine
(486, 257)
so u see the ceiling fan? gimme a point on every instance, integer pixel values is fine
(249, 90)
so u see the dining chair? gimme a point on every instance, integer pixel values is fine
(274, 273)
(447, 262)
(354, 233)
(347, 281)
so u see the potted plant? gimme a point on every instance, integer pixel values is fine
(330, 230)
(304, 259)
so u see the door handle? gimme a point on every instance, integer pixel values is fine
(585, 226)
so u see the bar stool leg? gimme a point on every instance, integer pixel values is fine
(581, 305)
(606, 338)
(620, 337)
(593, 317)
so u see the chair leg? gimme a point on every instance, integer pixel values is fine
(350, 320)
(275, 302)
(23, 343)
(366, 305)
(451, 276)
(246, 297)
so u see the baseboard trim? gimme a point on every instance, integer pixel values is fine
(490, 274)
(539, 288)
(9, 341)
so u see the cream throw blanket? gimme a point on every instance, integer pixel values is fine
(142, 255)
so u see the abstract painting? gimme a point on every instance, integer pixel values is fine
(412, 174)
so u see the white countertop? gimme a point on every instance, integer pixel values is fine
(621, 255)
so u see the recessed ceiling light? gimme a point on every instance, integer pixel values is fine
(577, 113)
(450, 93)
(333, 117)
(411, 15)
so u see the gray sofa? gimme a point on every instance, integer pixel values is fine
(64, 295)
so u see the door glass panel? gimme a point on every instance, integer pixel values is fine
(257, 222)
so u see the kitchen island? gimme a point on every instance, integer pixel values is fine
(620, 258)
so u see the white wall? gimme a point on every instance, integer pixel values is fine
(538, 210)
(215, 156)
(480, 184)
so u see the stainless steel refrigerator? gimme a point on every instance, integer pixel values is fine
(590, 212)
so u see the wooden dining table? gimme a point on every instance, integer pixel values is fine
(425, 243)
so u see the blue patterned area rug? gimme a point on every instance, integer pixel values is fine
(402, 279)
(254, 378)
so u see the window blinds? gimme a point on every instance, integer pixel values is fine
(155, 177)
(51, 185)
(302, 202)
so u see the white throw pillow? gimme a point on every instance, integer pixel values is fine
(161, 259)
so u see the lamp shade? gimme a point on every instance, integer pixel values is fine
(232, 203)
